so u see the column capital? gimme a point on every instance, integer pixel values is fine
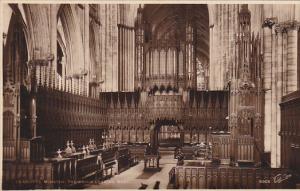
(269, 22)
(286, 26)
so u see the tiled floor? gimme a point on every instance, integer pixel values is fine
(135, 176)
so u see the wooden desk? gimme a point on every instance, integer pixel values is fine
(151, 161)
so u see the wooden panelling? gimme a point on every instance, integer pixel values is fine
(230, 177)
(66, 172)
(62, 116)
(290, 131)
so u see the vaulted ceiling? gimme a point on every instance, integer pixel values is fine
(165, 19)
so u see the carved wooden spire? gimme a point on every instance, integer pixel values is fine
(125, 102)
(132, 101)
(111, 101)
(194, 102)
(244, 42)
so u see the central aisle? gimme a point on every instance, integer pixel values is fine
(135, 176)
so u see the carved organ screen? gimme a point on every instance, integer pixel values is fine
(171, 38)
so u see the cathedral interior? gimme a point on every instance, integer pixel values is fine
(151, 96)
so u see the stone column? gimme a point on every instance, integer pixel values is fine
(284, 63)
(127, 58)
(87, 63)
(272, 114)
(212, 59)
(267, 47)
(123, 58)
(53, 45)
(292, 78)
(278, 95)
(119, 57)
(133, 55)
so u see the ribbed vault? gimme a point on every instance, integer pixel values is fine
(169, 21)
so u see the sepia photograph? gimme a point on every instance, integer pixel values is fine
(150, 95)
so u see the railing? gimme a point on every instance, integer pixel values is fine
(64, 172)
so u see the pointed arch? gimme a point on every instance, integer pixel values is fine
(16, 48)
(67, 14)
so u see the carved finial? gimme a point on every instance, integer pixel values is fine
(194, 102)
(118, 104)
(269, 22)
(202, 100)
(132, 101)
(111, 101)
(72, 147)
(125, 102)
(59, 154)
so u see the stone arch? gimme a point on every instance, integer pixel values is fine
(38, 30)
(67, 14)
(16, 49)
(22, 14)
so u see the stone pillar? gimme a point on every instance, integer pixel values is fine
(279, 73)
(267, 47)
(212, 58)
(125, 79)
(273, 106)
(87, 63)
(133, 55)
(129, 60)
(125, 52)
(53, 45)
(119, 57)
(284, 63)
(292, 78)
(123, 58)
